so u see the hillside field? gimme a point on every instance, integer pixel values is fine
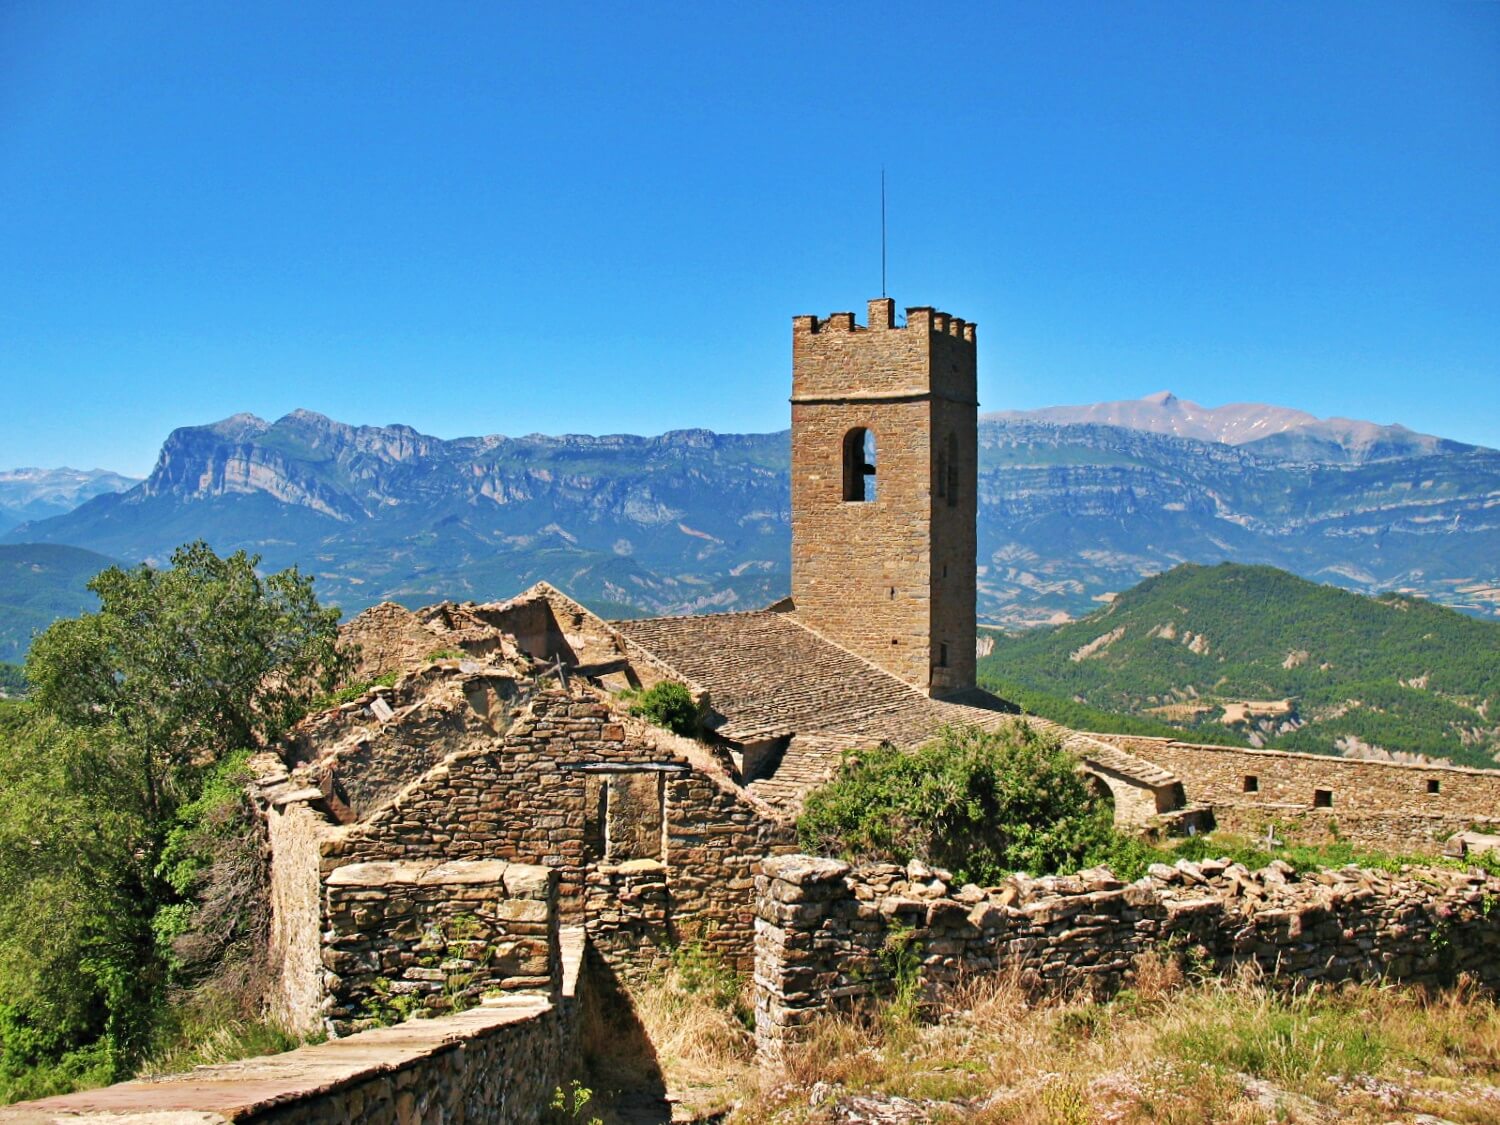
(1254, 655)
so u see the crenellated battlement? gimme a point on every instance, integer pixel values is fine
(882, 317)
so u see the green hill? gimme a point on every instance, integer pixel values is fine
(1255, 655)
(40, 582)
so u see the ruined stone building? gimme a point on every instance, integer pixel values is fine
(502, 739)
(487, 818)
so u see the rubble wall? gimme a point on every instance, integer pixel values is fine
(425, 938)
(827, 935)
(1387, 806)
(520, 798)
(533, 796)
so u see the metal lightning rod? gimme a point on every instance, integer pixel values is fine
(882, 231)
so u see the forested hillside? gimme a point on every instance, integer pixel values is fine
(1267, 658)
(40, 582)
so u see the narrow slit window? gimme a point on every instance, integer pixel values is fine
(1434, 785)
(859, 465)
(951, 490)
(942, 654)
(1252, 783)
(1322, 798)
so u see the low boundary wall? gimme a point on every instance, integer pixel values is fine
(1386, 806)
(828, 936)
(495, 1064)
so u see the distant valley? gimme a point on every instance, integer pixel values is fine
(1076, 503)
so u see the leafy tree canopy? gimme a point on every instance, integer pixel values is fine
(188, 663)
(123, 840)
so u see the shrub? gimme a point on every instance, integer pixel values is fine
(670, 705)
(982, 804)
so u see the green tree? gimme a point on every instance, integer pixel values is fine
(188, 663)
(117, 796)
(982, 804)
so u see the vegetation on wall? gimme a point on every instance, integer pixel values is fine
(1322, 670)
(130, 874)
(670, 705)
(980, 804)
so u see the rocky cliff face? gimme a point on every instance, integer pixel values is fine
(691, 520)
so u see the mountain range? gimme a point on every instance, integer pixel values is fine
(1075, 503)
(36, 494)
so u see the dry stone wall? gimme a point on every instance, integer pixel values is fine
(1387, 806)
(424, 937)
(520, 797)
(828, 935)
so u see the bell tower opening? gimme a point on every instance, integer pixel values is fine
(883, 562)
(859, 465)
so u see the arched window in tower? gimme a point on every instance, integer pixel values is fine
(951, 465)
(859, 464)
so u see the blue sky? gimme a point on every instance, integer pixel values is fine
(601, 218)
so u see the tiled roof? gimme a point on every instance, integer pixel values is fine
(768, 676)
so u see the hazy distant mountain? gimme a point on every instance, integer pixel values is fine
(686, 521)
(689, 521)
(36, 494)
(40, 582)
(1277, 431)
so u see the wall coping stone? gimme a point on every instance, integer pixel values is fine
(520, 880)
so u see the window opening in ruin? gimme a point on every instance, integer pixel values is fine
(952, 467)
(1434, 785)
(859, 465)
(1252, 783)
(1322, 798)
(633, 815)
(942, 654)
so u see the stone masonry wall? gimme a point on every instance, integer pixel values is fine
(534, 796)
(424, 938)
(517, 797)
(1388, 806)
(824, 932)
(296, 914)
(866, 574)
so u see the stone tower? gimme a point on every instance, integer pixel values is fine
(885, 450)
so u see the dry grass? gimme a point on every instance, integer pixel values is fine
(1165, 1052)
(683, 1034)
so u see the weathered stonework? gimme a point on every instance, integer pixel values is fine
(428, 937)
(890, 578)
(1388, 806)
(824, 931)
